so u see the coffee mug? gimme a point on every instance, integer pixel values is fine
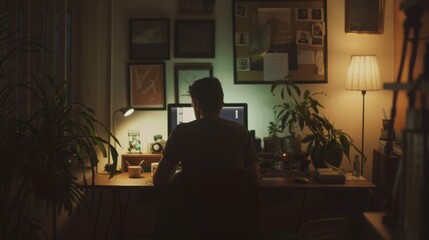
(134, 171)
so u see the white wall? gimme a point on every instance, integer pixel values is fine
(342, 107)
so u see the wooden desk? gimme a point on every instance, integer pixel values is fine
(145, 181)
(286, 205)
(288, 182)
(123, 181)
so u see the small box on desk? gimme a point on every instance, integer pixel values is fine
(328, 175)
(135, 159)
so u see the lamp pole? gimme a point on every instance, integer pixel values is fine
(363, 131)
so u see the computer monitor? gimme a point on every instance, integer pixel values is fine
(178, 113)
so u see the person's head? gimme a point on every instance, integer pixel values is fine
(207, 95)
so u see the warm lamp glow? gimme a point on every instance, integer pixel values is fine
(363, 73)
(126, 111)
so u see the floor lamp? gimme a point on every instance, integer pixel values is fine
(126, 111)
(363, 75)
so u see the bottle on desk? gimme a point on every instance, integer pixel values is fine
(356, 166)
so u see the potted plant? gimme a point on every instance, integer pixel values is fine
(327, 143)
(44, 139)
(292, 115)
(324, 142)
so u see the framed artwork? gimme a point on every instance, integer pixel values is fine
(276, 39)
(149, 39)
(196, 6)
(147, 86)
(364, 16)
(194, 39)
(185, 75)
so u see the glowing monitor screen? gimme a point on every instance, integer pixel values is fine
(183, 113)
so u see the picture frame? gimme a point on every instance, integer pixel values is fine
(147, 86)
(364, 16)
(185, 75)
(264, 53)
(149, 38)
(194, 38)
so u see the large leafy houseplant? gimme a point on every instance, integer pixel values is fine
(44, 139)
(303, 110)
(294, 113)
(46, 151)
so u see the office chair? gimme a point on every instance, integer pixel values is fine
(327, 228)
(219, 204)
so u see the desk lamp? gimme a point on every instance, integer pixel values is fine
(363, 75)
(126, 111)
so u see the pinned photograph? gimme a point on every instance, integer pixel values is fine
(303, 37)
(302, 14)
(243, 64)
(317, 41)
(316, 14)
(317, 30)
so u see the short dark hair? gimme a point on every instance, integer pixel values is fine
(208, 92)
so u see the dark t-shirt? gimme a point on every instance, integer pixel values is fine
(207, 144)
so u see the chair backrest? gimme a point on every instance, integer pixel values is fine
(227, 203)
(327, 228)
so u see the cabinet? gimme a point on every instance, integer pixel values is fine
(384, 169)
(135, 159)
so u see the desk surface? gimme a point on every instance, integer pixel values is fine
(145, 181)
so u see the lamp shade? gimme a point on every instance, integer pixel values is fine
(126, 111)
(363, 73)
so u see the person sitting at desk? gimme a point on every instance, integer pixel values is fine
(209, 142)
(206, 144)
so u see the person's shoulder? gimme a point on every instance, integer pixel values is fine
(186, 125)
(233, 124)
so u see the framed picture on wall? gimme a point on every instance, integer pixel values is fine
(194, 39)
(364, 16)
(277, 40)
(185, 75)
(149, 39)
(147, 86)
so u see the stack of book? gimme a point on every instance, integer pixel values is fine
(329, 175)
